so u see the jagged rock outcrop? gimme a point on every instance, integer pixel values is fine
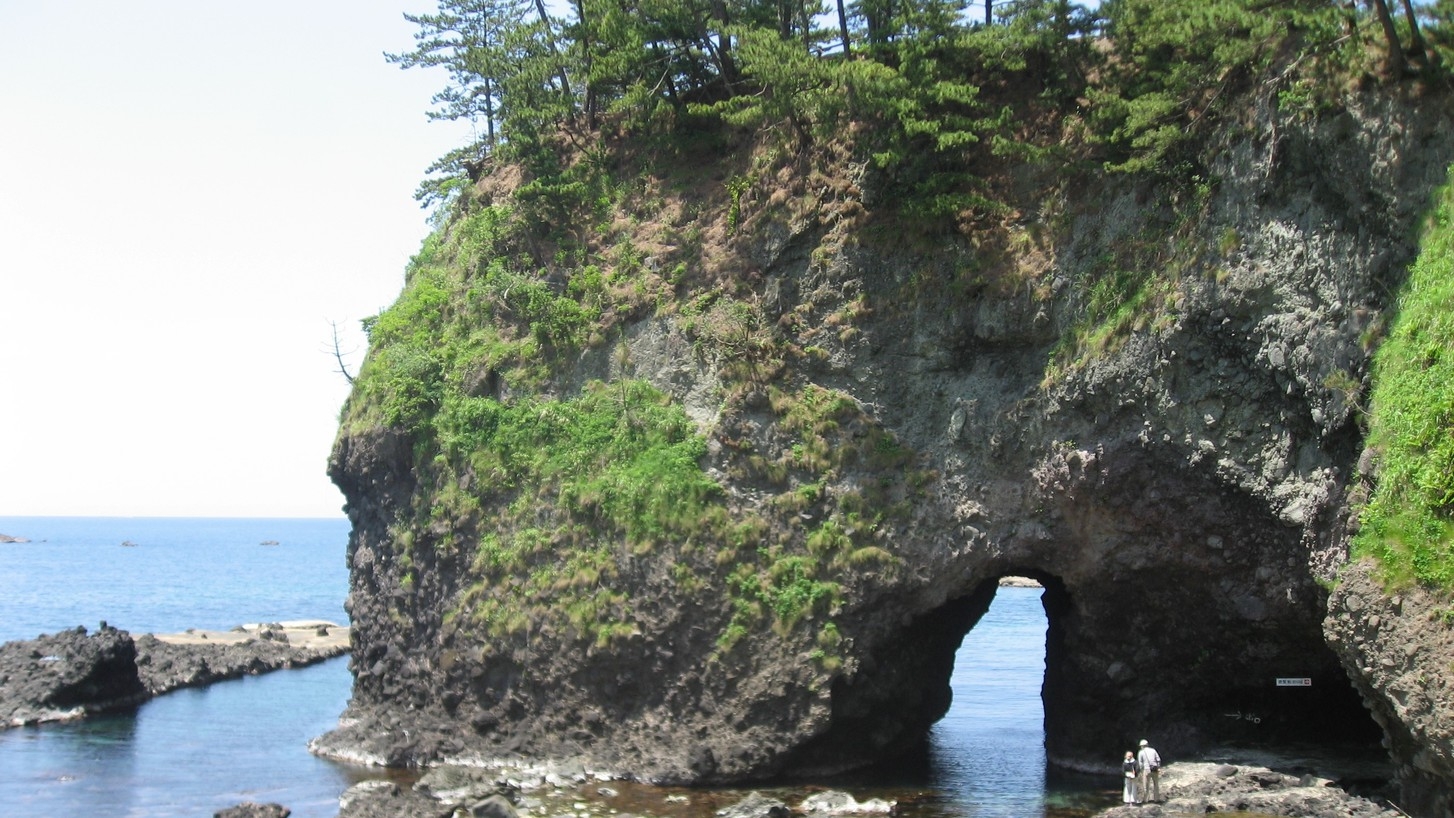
(68, 675)
(172, 662)
(1400, 651)
(251, 809)
(73, 674)
(1180, 488)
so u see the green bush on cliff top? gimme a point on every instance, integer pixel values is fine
(1408, 524)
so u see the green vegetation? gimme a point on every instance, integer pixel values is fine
(552, 500)
(931, 96)
(1408, 524)
(585, 206)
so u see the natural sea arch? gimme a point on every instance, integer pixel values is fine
(1109, 681)
(987, 754)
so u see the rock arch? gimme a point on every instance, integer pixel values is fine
(1173, 604)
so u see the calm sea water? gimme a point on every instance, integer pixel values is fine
(193, 752)
(986, 757)
(180, 573)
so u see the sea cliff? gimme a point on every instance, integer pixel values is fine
(723, 508)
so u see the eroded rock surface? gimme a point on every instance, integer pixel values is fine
(170, 661)
(1200, 789)
(251, 809)
(1399, 650)
(1182, 495)
(68, 675)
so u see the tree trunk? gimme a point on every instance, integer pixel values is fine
(550, 39)
(585, 46)
(1396, 63)
(1416, 39)
(723, 51)
(843, 28)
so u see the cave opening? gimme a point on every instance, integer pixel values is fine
(980, 667)
(1141, 658)
(989, 748)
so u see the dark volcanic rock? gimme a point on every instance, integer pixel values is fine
(166, 666)
(72, 674)
(248, 809)
(68, 675)
(384, 799)
(1399, 651)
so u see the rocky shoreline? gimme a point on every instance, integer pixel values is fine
(1199, 788)
(1250, 790)
(75, 673)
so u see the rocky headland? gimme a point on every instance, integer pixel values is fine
(701, 477)
(1183, 494)
(74, 673)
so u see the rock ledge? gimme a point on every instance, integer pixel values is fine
(73, 674)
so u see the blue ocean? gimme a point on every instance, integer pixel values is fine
(192, 752)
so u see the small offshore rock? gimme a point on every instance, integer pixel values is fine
(248, 809)
(756, 805)
(834, 802)
(496, 806)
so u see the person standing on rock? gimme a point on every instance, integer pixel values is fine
(1128, 779)
(1150, 763)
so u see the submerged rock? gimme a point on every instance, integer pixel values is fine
(834, 802)
(756, 805)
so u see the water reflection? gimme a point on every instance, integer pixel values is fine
(70, 768)
(188, 753)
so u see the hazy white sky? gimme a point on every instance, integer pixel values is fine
(190, 191)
